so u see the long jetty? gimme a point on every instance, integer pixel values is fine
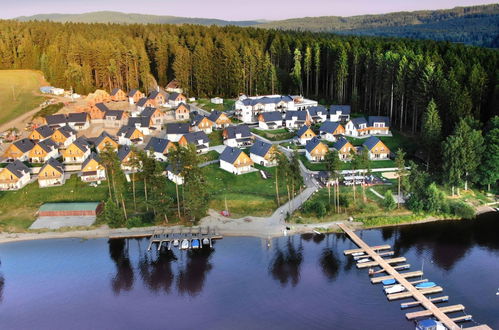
(410, 290)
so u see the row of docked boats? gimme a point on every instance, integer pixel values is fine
(186, 244)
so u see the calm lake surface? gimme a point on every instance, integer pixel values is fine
(299, 282)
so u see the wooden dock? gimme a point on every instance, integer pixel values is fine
(411, 292)
(169, 235)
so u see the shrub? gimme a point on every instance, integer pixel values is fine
(344, 201)
(134, 222)
(462, 209)
(112, 215)
(389, 202)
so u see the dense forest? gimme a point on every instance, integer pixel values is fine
(395, 77)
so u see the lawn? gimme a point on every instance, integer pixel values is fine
(19, 93)
(207, 105)
(49, 110)
(19, 207)
(275, 135)
(216, 138)
(393, 142)
(209, 156)
(387, 163)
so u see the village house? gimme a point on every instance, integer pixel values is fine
(174, 87)
(92, 170)
(376, 148)
(157, 98)
(56, 121)
(270, 120)
(134, 96)
(78, 120)
(174, 131)
(115, 118)
(173, 173)
(318, 114)
(19, 150)
(182, 112)
(202, 123)
(316, 150)
(43, 151)
(99, 96)
(378, 125)
(262, 153)
(217, 100)
(238, 136)
(296, 119)
(339, 113)
(41, 133)
(220, 119)
(142, 104)
(143, 124)
(356, 127)
(344, 148)
(105, 141)
(14, 176)
(126, 156)
(117, 94)
(235, 161)
(329, 130)
(158, 148)
(77, 151)
(51, 174)
(154, 116)
(64, 136)
(97, 111)
(174, 99)
(305, 134)
(128, 135)
(199, 139)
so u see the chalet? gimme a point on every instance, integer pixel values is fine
(199, 139)
(316, 150)
(117, 94)
(234, 160)
(238, 136)
(128, 135)
(376, 148)
(378, 125)
(144, 103)
(305, 134)
(77, 151)
(329, 130)
(344, 148)
(339, 113)
(41, 133)
(57, 120)
(14, 176)
(134, 96)
(19, 150)
(174, 99)
(104, 141)
(357, 127)
(97, 111)
(126, 156)
(262, 153)
(174, 174)
(270, 120)
(174, 87)
(43, 151)
(155, 117)
(115, 118)
(92, 170)
(159, 148)
(182, 112)
(220, 119)
(318, 114)
(202, 123)
(78, 120)
(296, 119)
(99, 96)
(64, 136)
(174, 131)
(157, 98)
(51, 174)
(143, 124)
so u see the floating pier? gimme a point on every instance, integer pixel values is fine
(169, 235)
(419, 295)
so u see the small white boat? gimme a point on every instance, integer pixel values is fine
(429, 324)
(356, 254)
(395, 289)
(363, 260)
(206, 241)
(175, 242)
(185, 244)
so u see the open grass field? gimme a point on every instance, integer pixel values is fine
(207, 105)
(321, 166)
(19, 93)
(275, 135)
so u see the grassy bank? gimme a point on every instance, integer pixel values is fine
(274, 135)
(321, 166)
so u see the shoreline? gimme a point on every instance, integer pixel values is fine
(228, 227)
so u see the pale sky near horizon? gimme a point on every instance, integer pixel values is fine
(229, 9)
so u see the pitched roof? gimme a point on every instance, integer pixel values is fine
(123, 151)
(267, 100)
(260, 148)
(114, 113)
(302, 130)
(173, 96)
(115, 91)
(148, 112)
(66, 130)
(358, 121)
(102, 136)
(142, 102)
(230, 154)
(157, 144)
(55, 165)
(48, 145)
(77, 117)
(24, 145)
(344, 109)
(133, 92)
(197, 119)
(56, 119)
(378, 119)
(311, 144)
(102, 107)
(329, 127)
(153, 94)
(140, 120)
(94, 156)
(214, 115)
(232, 131)
(82, 144)
(194, 137)
(177, 128)
(340, 143)
(300, 115)
(173, 84)
(371, 142)
(126, 131)
(317, 110)
(272, 116)
(175, 169)
(45, 131)
(17, 168)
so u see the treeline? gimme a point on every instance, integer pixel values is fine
(394, 77)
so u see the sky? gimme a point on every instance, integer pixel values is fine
(229, 9)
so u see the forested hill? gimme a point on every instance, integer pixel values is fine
(123, 18)
(476, 25)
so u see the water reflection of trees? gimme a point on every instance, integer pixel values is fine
(329, 261)
(192, 276)
(285, 265)
(124, 278)
(156, 271)
(2, 284)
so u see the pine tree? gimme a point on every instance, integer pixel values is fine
(431, 132)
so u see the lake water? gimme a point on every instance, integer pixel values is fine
(299, 282)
